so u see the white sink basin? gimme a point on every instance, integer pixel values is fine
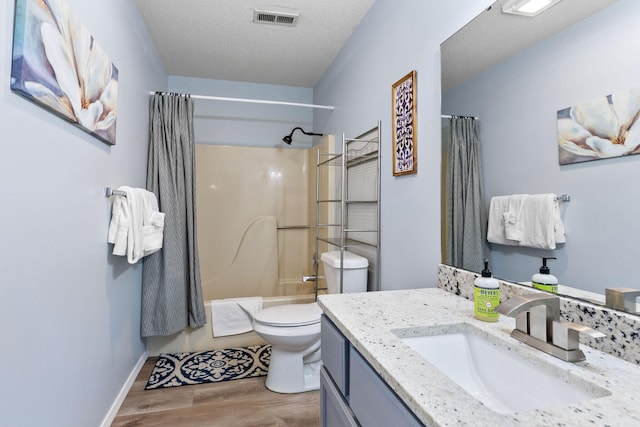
(495, 375)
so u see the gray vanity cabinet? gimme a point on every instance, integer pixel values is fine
(334, 410)
(351, 392)
(335, 354)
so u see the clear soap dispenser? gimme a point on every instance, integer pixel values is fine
(544, 280)
(486, 295)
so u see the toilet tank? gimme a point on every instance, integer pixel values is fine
(354, 276)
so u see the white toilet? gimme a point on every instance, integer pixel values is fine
(354, 275)
(293, 330)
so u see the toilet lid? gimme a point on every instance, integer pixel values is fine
(290, 315)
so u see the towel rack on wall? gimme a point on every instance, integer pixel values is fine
(108, 192)
(564, 198)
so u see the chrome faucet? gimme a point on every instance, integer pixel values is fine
(538, 325)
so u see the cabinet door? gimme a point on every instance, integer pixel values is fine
(334, 411)
(334, 354)
(372, 401)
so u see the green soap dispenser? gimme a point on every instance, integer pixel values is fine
(486, 295)
(545, 281)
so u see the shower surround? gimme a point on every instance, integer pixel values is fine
(242, 195)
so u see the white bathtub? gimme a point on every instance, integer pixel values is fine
(201, 339)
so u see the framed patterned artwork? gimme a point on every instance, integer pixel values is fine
(405, 132)
(59, 66)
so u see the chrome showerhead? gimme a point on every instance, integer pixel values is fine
(289, 138)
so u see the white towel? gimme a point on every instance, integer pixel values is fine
(526, 220)
(137, 226)
(512, 217)
(540, 222)
(153, 224)
(119, 226)
(234, 316)
(558, 226)
(500, 215)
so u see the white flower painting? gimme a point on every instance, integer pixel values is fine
(58, 64)
(599, 129)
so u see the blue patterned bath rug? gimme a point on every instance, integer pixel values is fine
(177, 369)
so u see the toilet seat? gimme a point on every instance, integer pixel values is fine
(290, 315)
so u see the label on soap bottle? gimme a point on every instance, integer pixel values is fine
(545, 287)
(486, 300)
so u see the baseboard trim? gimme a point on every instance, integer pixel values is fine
(115, 407)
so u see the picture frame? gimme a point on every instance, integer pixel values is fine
(601, 128)
(405, 131)
(57, 65)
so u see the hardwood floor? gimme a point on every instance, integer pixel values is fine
(241, 403)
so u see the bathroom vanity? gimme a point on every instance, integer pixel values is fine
(374, 376)
(351, 389)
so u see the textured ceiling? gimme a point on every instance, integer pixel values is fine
(493, 37)
(217, 39)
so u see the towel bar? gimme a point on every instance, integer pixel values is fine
(108, 192)
(564, 198)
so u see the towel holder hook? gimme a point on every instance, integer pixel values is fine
(108, 192)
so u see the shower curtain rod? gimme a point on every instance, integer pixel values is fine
(252, 101)
(448, 116)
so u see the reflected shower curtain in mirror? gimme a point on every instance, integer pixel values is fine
(171, 289)
(466, 215)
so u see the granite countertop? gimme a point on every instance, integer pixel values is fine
(368, 319)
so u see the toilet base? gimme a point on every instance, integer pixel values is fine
(290, 373)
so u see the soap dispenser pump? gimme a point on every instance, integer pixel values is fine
(544, 280)
(486, 295)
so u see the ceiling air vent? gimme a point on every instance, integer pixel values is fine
(277, 18)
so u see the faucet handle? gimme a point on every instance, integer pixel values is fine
(566, 334)
(534, 313)
(623, 299)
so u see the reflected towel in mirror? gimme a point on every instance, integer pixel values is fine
(526, 220)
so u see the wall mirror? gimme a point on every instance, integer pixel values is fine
(514, 73)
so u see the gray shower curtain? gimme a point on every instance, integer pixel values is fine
(467, 217)
(171, 289)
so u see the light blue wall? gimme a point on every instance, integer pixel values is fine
(235, 123)
(394, 38)
(69, 311)
(517, 104)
